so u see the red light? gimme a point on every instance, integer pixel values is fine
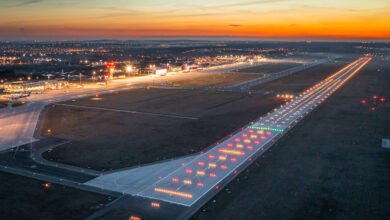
(375, 97)
(200, 184)
(251, 131)
(233, 160)
(200, 163)
(250, 148)
(175, 180)
(237, 139)
(263, 137)
(229, 145)
(372, 108)
(382, 99)
(188, 171)
(213, 175)
(223, 167)
(364, 101)
(257, 142)
(211, 156)
(244, 135)
(269, 133)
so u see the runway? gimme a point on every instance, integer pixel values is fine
(203, 176)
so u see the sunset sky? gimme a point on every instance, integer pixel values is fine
(138, 19)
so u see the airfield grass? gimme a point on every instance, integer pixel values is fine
(165, 124)
(103, 139)
(269, 68)
(24, 198)
(301, 80)
(213, 80)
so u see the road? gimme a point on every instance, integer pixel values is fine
(201, 178)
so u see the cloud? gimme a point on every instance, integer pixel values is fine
(25, 3)
(233, 5)
(234, 25)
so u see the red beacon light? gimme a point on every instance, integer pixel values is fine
(382, 99)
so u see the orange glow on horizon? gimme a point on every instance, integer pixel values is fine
(302, 19)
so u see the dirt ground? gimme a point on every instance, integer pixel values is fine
(303, 79)
(167, 124)
(330, 167)
(24, 198)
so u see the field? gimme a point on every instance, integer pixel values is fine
(158, 124)
(24, 198)
(220, 79)
(330, 167)
(303, 79)
(113, 131)
(269, 68)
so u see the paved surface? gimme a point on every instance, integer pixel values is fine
(204, 174)
(135, 180)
